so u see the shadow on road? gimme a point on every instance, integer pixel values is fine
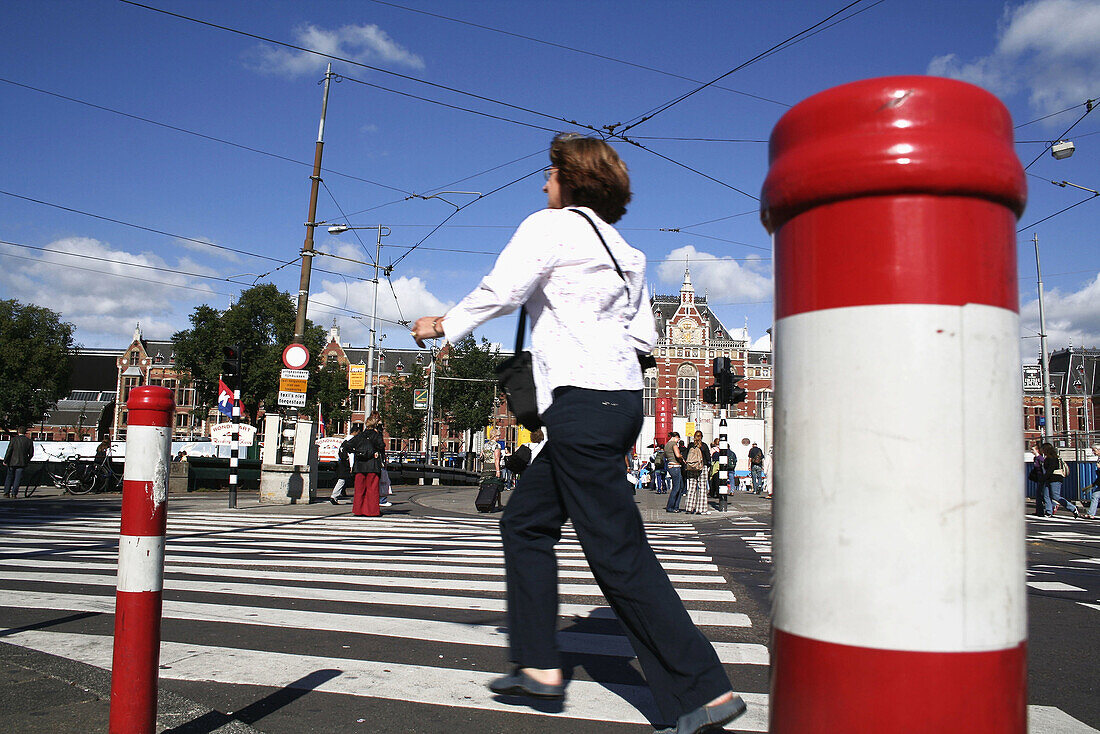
(254, 712)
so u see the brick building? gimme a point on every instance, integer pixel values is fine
(1073, 398)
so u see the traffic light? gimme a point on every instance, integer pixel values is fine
(725, 390)
(231, 365)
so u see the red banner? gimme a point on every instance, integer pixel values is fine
(663, 421)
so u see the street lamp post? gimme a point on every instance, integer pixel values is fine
(340, 229)
(1045, 368)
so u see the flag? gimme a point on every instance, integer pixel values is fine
(320, 422)
(225, 399)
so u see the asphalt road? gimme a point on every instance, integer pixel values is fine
(307, 619)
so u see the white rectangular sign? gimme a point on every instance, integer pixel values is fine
(294, 374)
(292, 399)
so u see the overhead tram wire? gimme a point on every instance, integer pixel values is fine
(204, 243)
(574, 50)
(348, 221)
(1090, 105)
(658, 110)
(408, 77)
(196, 134)
(1044, 117)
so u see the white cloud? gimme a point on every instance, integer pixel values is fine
(763, 344)
(1048, 48)
(413, 301)
(194, 246)
(105, 308)
(1070, 318)
(725, 280)
(367, 44)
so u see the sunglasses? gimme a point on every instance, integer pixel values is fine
(547, 171)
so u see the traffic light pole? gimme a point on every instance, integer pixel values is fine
(232, 365)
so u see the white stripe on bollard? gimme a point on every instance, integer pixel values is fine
(141, 563)
(921, 486)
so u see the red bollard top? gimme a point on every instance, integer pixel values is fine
(150, 406)
(891, 136)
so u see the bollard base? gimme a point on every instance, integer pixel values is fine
(282, 484)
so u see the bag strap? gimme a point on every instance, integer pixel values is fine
(520, 327)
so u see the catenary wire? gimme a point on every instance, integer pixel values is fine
(204, 243)
(658, 110)
(204, 136)
(575, 50)
(1089, 107)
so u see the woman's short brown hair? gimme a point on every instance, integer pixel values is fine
(592, 173)
(373, 421)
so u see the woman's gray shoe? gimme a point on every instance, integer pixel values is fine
(707, 718)
(521, 684)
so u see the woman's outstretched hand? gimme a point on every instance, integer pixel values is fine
(427, 327)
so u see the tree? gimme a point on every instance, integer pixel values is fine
(262, 323)
(399, 416)
(468, 405)
(36, 351)
(329, 389)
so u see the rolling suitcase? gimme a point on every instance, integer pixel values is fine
(488, 495)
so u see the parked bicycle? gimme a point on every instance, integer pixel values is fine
(61, 472)
(99, 476)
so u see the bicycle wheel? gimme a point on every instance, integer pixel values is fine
(80, 480)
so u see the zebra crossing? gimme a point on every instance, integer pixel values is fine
(396, 609)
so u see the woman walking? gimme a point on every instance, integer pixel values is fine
(1054, 470)
(697, 475)
(584, 289)
(370, 454)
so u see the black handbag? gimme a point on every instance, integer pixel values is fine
(516, 376)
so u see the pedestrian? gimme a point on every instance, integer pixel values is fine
(768, 464)
(756, 468)
(1095, 486)
(659, 476)
(588, 328)
(343, 465)
(1036, 475)
(1054, 470)
(696, 471)
(16, 458)
(490, 456)
(369, 451)
(385, 488)
(674, 462)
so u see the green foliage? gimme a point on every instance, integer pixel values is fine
(398, 415)
(329, 387)
(36, 350)
(262, 323)
(467, 405)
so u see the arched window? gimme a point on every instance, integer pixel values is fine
(687, 389)
(649, 392)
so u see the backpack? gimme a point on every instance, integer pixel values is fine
(519, 461)
(695, 462)
(659, 459)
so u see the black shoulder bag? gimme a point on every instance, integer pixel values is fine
(516, 374)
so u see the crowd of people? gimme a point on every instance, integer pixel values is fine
(1049, 472)
(689, 472)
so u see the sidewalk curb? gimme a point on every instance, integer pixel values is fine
(175, 714)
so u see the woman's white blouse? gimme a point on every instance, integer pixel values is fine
(587, 324)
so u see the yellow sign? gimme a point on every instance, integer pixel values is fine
(689, 431)
(290, 385)
(357, 377)
(522, 436)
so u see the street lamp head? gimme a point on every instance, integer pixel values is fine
(1062, 149)
(338, 229)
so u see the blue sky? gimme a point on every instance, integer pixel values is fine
(580, 61)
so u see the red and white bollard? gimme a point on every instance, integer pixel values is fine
(135, 668)
(899, 595)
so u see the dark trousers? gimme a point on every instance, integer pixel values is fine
(366, 496)
(676, 479)
(579, 475)
(12, 480)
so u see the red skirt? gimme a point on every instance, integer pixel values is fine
(366, 496)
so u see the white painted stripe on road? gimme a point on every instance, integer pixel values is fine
(1053, 586)
(415, 582)
(953, 581)
(140, 562)
(455, 633)
(1051, 720)
(378, 598)
(387, 680)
